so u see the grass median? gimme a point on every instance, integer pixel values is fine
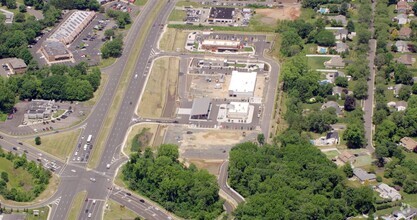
(173, 40)
(76, 205)
(122, 86)
(161, 85)
(59, 145)
(117, 211)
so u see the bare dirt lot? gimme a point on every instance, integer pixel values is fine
(272, 15)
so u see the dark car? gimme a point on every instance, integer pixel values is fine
(141, 200)
(26, 151)
(1, 137)
(20, 143)
(128, 194)
(14, 148)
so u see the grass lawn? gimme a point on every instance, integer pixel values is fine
(331, 154)
(58, 113)
(317, 62)
(308, 15)
(161, 84)
(115, 211)
(121, 87)
(76, 205)
(410, 156)
(410, 199)
(3, 117)
(106, 62)
(189, 3)
(177, 15)
(140, 2)
(386, 211)
(137, 129)
(173, 39)
(16, 176)
(99, 91)
(59, 145)
(43, 214)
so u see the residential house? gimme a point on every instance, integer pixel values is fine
(323, 11)
(333, 137)
(339, 19)
(341, 34)
(406, 59)
(402, 46)
(388, 192)
(406, 214)
(402, 19)
(408, 143)
(332, 104)
(335, 62)
(404, 33)
(400, 105)
(337, 90)
(397, 89)
(402, 7)
(346, 157)
(414, 80)
(341, 47)
(322, 50)
(332, 76)
(363, 176)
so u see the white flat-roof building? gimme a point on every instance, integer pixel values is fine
(238, 110)
(242, 84)
(73, 26)
(221, 45)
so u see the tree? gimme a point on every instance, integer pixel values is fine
(341, 81)
(320, 121)
(404, 93)
(290, 39)
(415, 8)
(112, 48)
(414, 88)
(11, 4)
(5, 176)
(325, 38)
(350, 26)
(261, 139)
(109, 33)
(38, 140)
(354, 135)
(410, 185)
(344, 8)
(347, 169)
(22, 8)
(403, 74)
(19, 17)
(350, 103)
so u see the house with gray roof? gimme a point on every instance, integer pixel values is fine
(341, 47)
(402, 46)
(363, 176)
(339, 18)
(332, 104)
(335, 62)
(341, 34)
(388, 192)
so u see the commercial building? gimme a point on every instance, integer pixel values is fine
(221, 45)
(221, 15)
(73, 26)
(40, 110)
(17, 65)
(200, 109)
(54, 50)
(242, 84)
(238, 110)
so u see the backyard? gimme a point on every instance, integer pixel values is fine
(317, 62)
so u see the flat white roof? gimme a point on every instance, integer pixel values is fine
(238, 107)
(72, 26)
(228, 43)
(242, 82)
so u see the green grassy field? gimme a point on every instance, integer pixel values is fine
(189, 3)
(3, 117)
(177, 15)
(43, 214)
(317, 62)
(76, 205)
(140, 2)
(18, 178)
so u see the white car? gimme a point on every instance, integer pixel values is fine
(92, 179)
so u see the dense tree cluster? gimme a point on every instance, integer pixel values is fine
(122, 18)
(77, 4)
(188, 192)
(39, 174)
(58, 82)
(113, 48)
(292, 182)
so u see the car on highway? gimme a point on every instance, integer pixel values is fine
(92, 179)
(26, 151)
(108, 166)
(141, 200)
(128, 194)
(14, 148)
(89, 215)
(94, 202)
(20, 143)
(1, 137)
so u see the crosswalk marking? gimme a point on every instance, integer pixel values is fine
(56, 201)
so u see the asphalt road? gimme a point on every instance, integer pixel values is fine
(222, 181)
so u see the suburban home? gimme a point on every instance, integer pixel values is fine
(346, 157)
(339, 18)
(341, 47)
(337, 90)
(406, 59)
(323, 11)
(332, 76)
(402, 19)
(400, 105)
(404, 33)
(397, 89)
(333, 137)
(408, 143)
(322, 50)
(387, 192)
(402, 46)
(363, 176)
(332, 104)
(335, 62)
(341, 34)
(402, 7)
(405, 214)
